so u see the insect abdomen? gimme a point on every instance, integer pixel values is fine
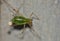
(20, 27)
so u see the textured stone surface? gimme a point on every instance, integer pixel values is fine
(48, 26)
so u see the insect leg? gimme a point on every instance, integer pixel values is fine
(35, 33)
(21, 35)
(32, 17)
(10, 7)
(17, 11)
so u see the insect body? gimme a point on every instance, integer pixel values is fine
(20, 22)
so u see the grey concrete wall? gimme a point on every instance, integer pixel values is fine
(48, 26)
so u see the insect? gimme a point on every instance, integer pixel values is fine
(20, 22)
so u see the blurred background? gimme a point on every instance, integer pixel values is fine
(48, 26)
